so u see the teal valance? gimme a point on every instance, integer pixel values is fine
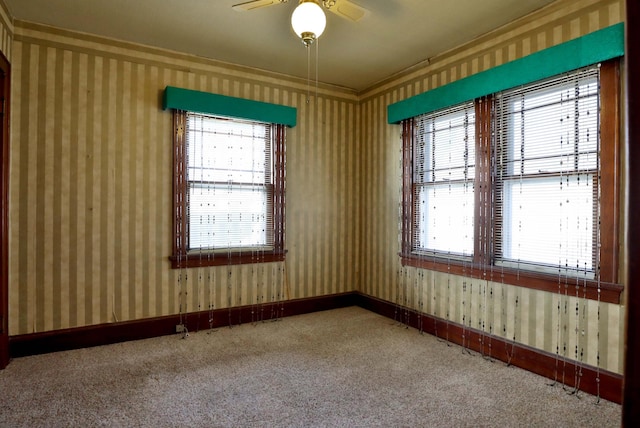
(592, 48)
(205, 102)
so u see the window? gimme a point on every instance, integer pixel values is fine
(228, 190)
(522, 183)
(443, 182)
(547, 141)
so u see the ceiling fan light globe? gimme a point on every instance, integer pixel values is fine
(308, 17)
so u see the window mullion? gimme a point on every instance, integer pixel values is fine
(609, 172)
(483, 194)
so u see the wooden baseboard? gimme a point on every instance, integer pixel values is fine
(105, 334)
(522, 356)
(589, 378)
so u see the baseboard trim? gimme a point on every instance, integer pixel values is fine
(531, 359)
(109, 333)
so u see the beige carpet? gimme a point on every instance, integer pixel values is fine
(341, 368)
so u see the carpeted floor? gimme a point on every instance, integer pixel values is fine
(341, 368)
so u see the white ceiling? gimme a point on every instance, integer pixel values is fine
(394, 36)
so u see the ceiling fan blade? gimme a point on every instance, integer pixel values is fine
(349, 10)
(255, 4)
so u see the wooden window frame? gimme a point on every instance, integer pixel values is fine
(181, 256)
(482, 266)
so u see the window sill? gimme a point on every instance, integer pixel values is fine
(212, 259)
(609, 292)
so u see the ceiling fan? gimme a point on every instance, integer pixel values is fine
(343, 8)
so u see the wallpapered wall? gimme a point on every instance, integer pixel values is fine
(531, 317)
(91, 185)
(91, 190)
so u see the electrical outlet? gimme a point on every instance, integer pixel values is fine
(180, 328)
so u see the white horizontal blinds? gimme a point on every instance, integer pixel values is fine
(547, 140)
(444, 170)
(229, 180)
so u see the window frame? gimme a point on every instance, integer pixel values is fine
(521, 152)
(182, 256)
(430, 165)
(482, 265)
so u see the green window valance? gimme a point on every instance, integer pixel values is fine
(205, 102)
(590, 49)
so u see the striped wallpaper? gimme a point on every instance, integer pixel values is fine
(542, 320)
(90, 192)
(91, 185)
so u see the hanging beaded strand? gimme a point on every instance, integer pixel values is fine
(598, 240)
(407, 127)
(183, 220)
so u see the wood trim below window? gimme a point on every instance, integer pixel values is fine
(224, 259)
(589, 289)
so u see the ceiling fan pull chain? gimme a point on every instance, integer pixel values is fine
(308, 69)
